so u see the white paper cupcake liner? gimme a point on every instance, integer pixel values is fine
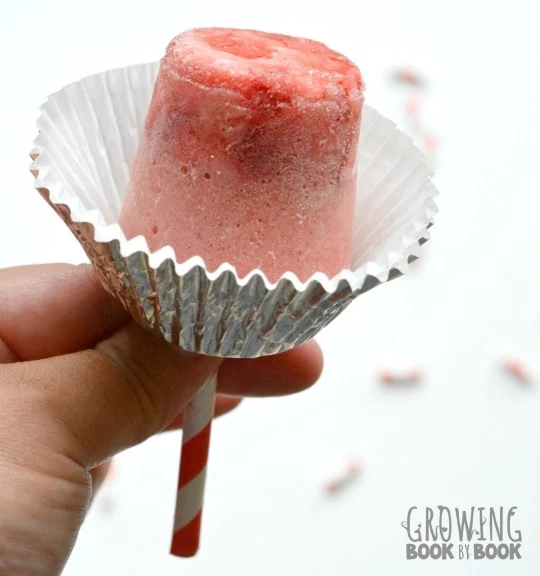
(89, 132)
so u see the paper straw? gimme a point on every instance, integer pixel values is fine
(195, 446)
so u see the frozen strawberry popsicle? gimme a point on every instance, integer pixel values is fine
(248, 154)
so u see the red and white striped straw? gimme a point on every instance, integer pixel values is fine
(195, 444)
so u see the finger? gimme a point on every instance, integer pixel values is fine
(93, 404)
(277, 375)
(54, 309)
(224, 404)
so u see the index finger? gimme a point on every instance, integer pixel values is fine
(54, 309)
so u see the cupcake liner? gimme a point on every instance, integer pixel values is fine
(89, 132)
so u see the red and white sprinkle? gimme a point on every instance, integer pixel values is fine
(339, 481)
(408, 76)
(399, 376)
(520, 369)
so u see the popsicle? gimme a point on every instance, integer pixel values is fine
(248, 157)
(248, 154)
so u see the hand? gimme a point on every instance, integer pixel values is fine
(79, 382)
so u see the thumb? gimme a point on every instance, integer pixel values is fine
(92, 404)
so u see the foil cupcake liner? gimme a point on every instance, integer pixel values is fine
(88, 136)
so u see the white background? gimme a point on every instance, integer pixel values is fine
(468, 435)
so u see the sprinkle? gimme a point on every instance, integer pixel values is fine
(409, 376)
(112, 473)
(412, 108)
(519, 370)
(408, 76)
(340, 481)
(106, 499)
(431, 143)
(413, 113)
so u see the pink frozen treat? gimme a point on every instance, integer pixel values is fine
(249, 153)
